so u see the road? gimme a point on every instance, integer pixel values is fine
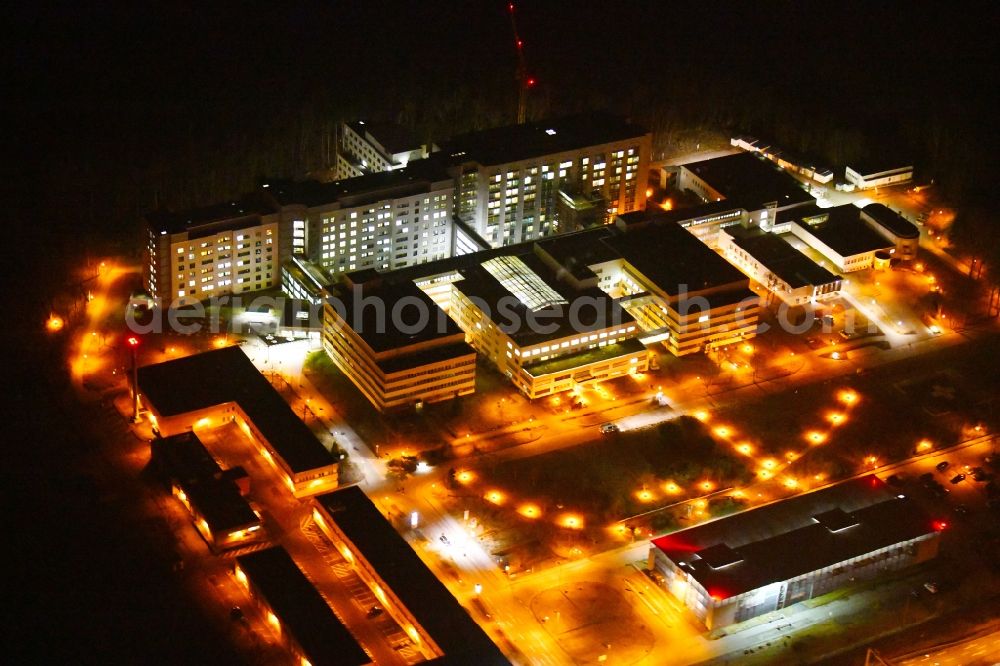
(976, 651)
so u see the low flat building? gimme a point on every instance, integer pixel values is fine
(786, 160)
(704, 221)
(840, 235)
(229, 248)
(296, 612)
(222, 386)
(773, 263)
(893, 227)
(745, 181)
(395, 344)
(869, 176)
(769, 558)
(212, 496)
(408, 591)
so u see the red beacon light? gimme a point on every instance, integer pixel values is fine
(132, 341)
(940, 525)
(531, 82)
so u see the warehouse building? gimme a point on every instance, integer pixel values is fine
(769, 558)
(296, 612)
(221, 386)
(408, 591)
(214, 497)
(869, 176)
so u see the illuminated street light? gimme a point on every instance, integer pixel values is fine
(414, 519)
(495, 496)
(816, 437)
(54, 323)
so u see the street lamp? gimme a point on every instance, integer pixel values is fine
(133, 344)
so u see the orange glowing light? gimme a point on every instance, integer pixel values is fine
(925, 445)
(816, 437)
(219, 343)
(496, 497)
(649, 192)
(465, 476)
(672, 488)
(644, 495)
(790, 482)
(667, 205)
(764, 474)
(529, 511)
(723, 431)
(571, 521)
(745, 449)
(701, 415)
(747, 348)
(54, 323)
(848, 397)
(700, 504)
(706, 485)
(769, 463)
(791, 455)
(836, 418)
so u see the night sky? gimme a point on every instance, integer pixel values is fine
(117, 107)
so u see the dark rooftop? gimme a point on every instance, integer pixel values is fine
(749, 181)
(428, 600)
(184, 457)
(792, 537)
(301, 609)
(236, 214)
(845, 233)
(417, 177)
(673, 258)
(779, 257)
(891, 220)
(221, 504)
(227, 375)
(656, 215)
(373, 309)
(513, 143)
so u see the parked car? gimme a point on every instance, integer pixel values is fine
(942, 466)
(958, 478)
(927, 478)
(894, 480)
(374, 611)
(608, 428)
(931, 587)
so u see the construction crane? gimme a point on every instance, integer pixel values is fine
(524, 82)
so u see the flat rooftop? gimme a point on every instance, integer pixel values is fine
(301, 609)
(749, 181)
(672, 258)
(184, 457)
(226, 375)
(653, 214)
(514, 143)
(424, 596)
(236, 214)
(792, 537)
(221, 505)
(844, 232)
(779, 257)
(418, 177)
(571, 362)
(892, 221)
(393, 315)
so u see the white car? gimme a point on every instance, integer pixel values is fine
(608, 428)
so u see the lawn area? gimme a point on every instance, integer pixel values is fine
(622, 474)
